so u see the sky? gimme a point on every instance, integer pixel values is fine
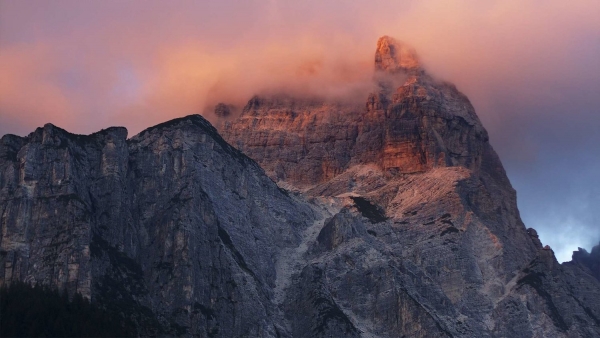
(531, 68)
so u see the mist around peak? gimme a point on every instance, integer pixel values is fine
(326, 79)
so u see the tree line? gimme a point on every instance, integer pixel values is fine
(42, 311)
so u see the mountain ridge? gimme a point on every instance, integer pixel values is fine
(392, 219)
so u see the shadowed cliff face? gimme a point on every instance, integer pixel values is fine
(172, 227)
(398, 220)
(590, 261)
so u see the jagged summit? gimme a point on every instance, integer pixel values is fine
(409, 124)
(590, 260)
(394, 56)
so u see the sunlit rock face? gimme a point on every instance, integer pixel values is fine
(388, 219)
(392, 56)
(411, 124)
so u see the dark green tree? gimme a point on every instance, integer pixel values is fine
(40, 311)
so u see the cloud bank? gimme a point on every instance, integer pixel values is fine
(529, 67)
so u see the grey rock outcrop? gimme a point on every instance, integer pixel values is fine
(398, 221)
(174, 227)
(591, 261)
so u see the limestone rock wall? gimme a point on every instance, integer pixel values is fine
(398, 220)
(174, 227)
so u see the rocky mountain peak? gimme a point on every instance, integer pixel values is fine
(394, 56)
(401, 222)
(405, 126)
(591, 260)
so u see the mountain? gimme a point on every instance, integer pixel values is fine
(390, 219)
(420, 125)
(173, 225)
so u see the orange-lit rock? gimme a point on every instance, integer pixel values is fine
(411, 124)
(393, 56)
